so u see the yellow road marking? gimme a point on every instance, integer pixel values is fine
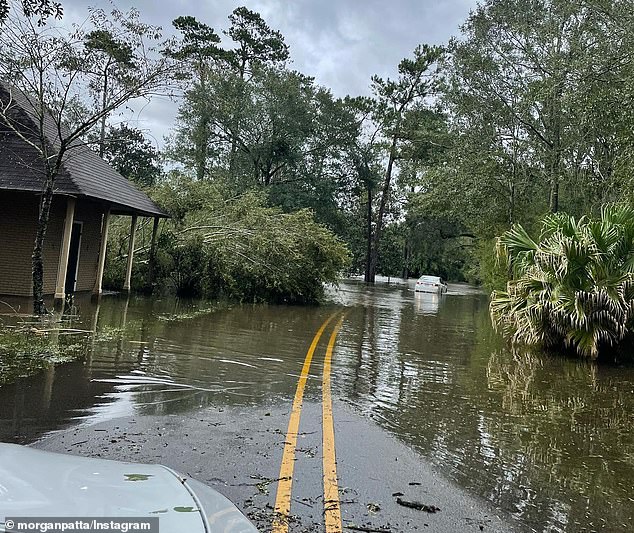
(332, 508)
(284, 485)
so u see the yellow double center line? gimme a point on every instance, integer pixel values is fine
(332, 512)
(332, 509)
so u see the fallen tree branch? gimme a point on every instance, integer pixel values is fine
(418, 506)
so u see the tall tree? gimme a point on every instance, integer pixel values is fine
(50, 69)
(218, 84)
(255, 123)
(112, 57)
(198, 52)
(394, 100)
(256, 43)
(531, 75)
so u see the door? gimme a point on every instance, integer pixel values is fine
(73, 258)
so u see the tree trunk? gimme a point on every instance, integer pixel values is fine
(407, 254)
(511, 214)
(234, 142)
(202, 127)
(555, 165)
(554, 195)
(37, 263)
(555, 149)
(104, 102)
(368, 255)
(201, 148)
(152, 259)
(374, 256)
(232, 156)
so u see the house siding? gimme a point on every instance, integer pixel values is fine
(52, 242)
(18, 219)
(18, 211)
(91, 215)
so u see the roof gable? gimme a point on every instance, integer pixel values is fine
(83, 172)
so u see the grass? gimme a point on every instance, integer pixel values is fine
(25, 351)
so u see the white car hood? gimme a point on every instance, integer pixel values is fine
(38, 483)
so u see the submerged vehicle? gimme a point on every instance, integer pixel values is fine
(432, 284)
(37, 483)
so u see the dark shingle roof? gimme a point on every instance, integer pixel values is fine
(84, 173)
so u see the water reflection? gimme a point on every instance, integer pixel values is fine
(426, 303)
(547, 438)
(144, 361)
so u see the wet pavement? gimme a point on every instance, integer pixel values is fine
(546, 441)
(238, 451)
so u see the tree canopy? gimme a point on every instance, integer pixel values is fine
(525, 113)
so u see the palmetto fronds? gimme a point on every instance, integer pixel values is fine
(574, 287)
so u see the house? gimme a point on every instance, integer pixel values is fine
(87, 192)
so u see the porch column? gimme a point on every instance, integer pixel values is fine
(102, 251)
(153, 250)
(128, 269)
(60, 286)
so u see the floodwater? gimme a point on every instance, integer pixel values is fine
(547, 439)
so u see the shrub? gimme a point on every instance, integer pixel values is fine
(574, 287)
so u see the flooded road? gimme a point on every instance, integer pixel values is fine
(546, 439)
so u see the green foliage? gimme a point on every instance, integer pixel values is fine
(277, 129)
(394, 104)
(237, 248)
(249, 123)
(524, 113)
(533, 97)
(256, 42)
(391, 250)
(132, 155)
(40, 10)
(574, 286)
(116, 51)
(486, 268)
(218, 90)
(199, 42)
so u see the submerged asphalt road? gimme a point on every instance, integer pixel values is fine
(278, 464)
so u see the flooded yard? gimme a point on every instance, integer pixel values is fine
(546, 439)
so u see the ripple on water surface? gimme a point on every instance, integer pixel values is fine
(549, 439)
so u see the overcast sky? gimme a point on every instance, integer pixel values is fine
(342, 43)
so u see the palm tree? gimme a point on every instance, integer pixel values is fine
(572, 288)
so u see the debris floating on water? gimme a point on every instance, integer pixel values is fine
(418, 506)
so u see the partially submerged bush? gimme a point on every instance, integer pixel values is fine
(574, 287)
